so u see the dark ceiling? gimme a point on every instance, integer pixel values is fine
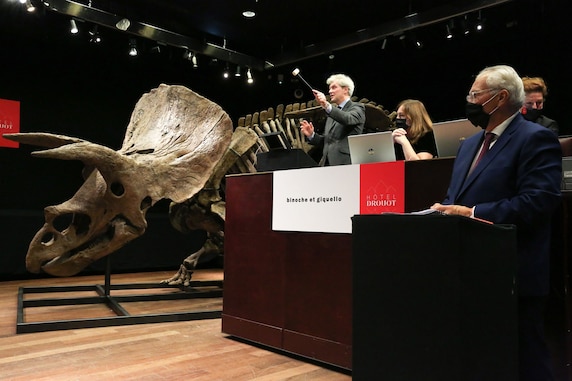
(281, 33)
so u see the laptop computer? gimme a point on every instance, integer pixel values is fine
(375, 147)
(448, 135)
(567, 173)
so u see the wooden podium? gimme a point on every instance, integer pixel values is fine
(293, 290)
(434, 299)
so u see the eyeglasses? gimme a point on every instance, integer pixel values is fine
(472, 96)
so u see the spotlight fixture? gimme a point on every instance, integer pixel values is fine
(46, 3)
(73, 27)
(29, 6)
(237, 74)
(249, 76)
(416, 42)
(449, 34)
(384, 43)
(94, 35)
(249, 12)
(194, 61)
(479, 24)
(466, 26)
(226, 73)
(280, 78)
(22, 1)
(132, 47)
(123, 24)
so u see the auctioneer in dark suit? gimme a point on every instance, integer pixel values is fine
(339, 125)
(516, 182)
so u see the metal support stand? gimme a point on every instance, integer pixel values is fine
(197, 289)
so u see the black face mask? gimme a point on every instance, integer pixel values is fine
(477, 116)
(400, 123)
(531, 113)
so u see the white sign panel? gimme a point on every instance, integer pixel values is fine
(316, 199)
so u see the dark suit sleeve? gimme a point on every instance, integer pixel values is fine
(352, 119)
(316, 140)
(528, 188)
(551, 124)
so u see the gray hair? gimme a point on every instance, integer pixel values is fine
(342, 80)
(505, 77)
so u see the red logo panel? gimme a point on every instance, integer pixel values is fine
(382, 187)
(9, 121)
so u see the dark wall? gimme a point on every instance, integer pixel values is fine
(68, 86)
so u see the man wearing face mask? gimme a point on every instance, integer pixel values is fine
(517, 181)
(535, 91)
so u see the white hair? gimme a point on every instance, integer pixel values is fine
(342, 80)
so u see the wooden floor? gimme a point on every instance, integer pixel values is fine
(190, 350)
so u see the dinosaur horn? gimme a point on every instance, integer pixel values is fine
(42, 139)
(106, 160)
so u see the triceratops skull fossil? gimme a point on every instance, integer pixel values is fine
(173, 141)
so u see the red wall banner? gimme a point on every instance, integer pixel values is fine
(9, 121)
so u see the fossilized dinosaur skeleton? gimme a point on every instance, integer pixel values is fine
(174, 140)
(178, 146)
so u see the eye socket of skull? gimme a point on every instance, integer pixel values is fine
(62, 221)
(117, 189)
(146, 203)
(47, 238)
(79, 221)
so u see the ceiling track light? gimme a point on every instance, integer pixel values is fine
(249, 12)
(94, 35)
(237, 73)
(73, 27)
(466, 25)
(249, 76)
(449, 34)
(29, 6)
(123, 24)
(479, 24)
(133, 47)
(194, 61)
(416, 41)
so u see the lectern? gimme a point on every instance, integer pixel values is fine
(434, 298)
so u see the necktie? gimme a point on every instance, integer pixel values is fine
(489, 137)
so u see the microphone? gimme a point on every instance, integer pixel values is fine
(296, 73)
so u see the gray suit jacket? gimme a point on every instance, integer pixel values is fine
(339, 125)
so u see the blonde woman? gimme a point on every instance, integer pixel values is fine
(413, 136)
